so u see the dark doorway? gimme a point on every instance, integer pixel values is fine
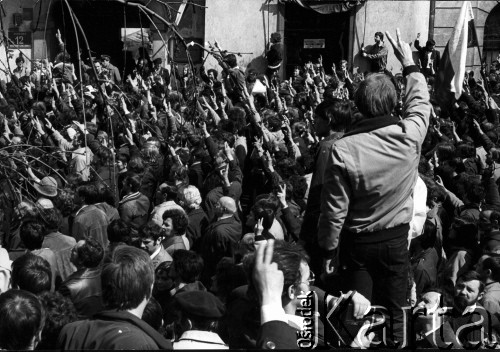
(491, 44)
(102, 22)
(305, 29)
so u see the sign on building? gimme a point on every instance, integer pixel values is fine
(20, 40)
(314, 43)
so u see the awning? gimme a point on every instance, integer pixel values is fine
(326, 6)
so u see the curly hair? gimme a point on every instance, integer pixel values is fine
(180, 220)
(59, 312)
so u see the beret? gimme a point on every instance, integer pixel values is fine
(202, 304)
(105, 57)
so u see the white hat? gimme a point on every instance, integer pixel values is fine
(45, 203)
(71, 132)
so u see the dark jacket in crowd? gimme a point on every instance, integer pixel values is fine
(219, 241)
(134, 209)
(198, 223)
(84, 289)
(111, 330)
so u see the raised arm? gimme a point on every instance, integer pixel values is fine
(417, 108)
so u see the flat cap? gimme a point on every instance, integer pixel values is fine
(202, 304)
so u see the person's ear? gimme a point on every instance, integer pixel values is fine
(488, 272)
(495, 223)
(480, 296)
(291, 292)
(190, 324)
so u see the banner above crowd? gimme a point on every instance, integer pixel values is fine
(326, 6)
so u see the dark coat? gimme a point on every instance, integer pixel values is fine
(111, 330)
(219, 242)
(311, 216)
(198, 223)
(84, 289)
(134, 210)
(93, 222)
(277, 335)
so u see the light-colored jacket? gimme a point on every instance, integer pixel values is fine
(372, 170)
(200, 340)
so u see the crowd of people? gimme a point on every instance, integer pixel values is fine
(195, 209)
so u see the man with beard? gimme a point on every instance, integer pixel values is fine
(466, 324)
(377, 54)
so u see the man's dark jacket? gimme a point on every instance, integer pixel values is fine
(111, 330)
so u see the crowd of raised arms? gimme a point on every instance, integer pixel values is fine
(143, 208)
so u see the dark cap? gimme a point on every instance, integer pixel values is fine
(105, 57)
(201, 304)
(158, 61)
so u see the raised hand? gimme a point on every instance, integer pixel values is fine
(258, 229)
(282, 195)
(267, 278)
(402, 50)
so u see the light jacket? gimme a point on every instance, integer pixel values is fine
(372, 170)
(200, 340)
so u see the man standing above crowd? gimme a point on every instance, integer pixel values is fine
(367, 197)
(428, 57)
(113, 72)
(377, 54)
(274, 55)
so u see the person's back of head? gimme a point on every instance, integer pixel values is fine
(376, 96)
(22, 317)
(127, 278)
(137, 165)
(118, 231)
(88, 194)
(493, 265)
(191, 197)
(31, 273)
(89, 253)
(188, 265)
(53, 218)
(231, 60)
(32, 234)
(337, 111)
(59, 312)
(133, 183)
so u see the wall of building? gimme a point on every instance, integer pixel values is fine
(10, 8)
(411, 17)
(241, 26)
(446, 16)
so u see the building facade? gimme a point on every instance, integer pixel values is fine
(333, 29)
